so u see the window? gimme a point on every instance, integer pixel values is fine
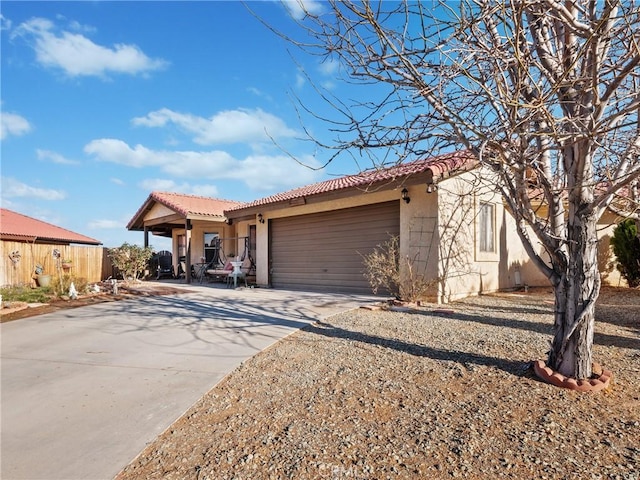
(486, 224)
(211, 247)
(182, 246)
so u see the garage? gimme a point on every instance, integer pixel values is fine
(323, 251)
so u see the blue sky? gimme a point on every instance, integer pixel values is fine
(104, 102)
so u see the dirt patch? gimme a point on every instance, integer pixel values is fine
(19, 310)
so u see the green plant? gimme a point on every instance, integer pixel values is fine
(23, 293)
(626, 247)
(131, 260)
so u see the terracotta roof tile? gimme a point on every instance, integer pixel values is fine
(15, 226)
(185, 205)
(441, 165)
(194, 205)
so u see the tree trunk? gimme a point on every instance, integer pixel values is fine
(575, 298)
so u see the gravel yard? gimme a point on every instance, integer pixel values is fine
(438, 392)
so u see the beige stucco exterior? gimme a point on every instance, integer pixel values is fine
(439, 235)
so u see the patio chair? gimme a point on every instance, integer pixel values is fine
(163, 263)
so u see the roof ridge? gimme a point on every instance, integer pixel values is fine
(190, 195)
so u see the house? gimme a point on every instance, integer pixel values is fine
(27, 241)
(452, 226)
(197, 225)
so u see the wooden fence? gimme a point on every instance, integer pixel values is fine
(19, 260)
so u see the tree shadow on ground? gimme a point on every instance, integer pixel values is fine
(518, 368)
(536, 327)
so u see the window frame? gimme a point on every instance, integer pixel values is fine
(486, 231)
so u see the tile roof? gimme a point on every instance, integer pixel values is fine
(185, 205)
(440, 166)
(18, 227)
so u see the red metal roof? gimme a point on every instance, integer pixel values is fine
(18, 227)
(185, 205)
(440, 166)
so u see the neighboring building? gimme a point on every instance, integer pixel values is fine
(27, 241)
(450, 220)
(17, 227)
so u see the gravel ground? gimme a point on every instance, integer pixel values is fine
(431, 393)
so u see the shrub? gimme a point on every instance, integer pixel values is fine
(61, 284)
(131, 260)
(626, 247)
(382, 271)
(382, 267)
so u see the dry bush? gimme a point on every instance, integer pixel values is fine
(382, 271)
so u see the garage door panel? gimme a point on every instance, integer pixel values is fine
(324, 251)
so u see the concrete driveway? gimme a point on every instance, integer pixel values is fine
(85, 390)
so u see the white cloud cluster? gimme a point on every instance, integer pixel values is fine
(55, 157)
(12, 188)
(13, 124)
(5, 23)
(258, 172)
(298, 9)
(229, 126)
(166, 185)
(76, 55)
(104, 224)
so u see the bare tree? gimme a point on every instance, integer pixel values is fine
(544, 92)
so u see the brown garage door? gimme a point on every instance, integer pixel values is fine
(323, 251)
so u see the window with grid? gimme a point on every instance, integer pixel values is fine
(486, 227)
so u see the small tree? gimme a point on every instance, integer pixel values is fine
(544, 93)
(626, 246)
(131, 260)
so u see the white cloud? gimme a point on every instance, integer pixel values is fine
(117, 181)
(259, 93)
(105, 224)
(166, 185)
(5, 23)
(14, 188)
(328, 85)
(298, 9)
(258, 172)
(55, 157)
(117, 151)
(300, 80)
(13, 124)
(229, 126)
(329, 67)
(77, 55)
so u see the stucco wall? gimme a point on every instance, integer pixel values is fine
(158, 211)
(438, 235)
(419, 238)
(463, 269)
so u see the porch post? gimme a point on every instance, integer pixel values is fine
(146, 236)
(187, 260)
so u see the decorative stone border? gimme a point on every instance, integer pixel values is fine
(591, 385)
